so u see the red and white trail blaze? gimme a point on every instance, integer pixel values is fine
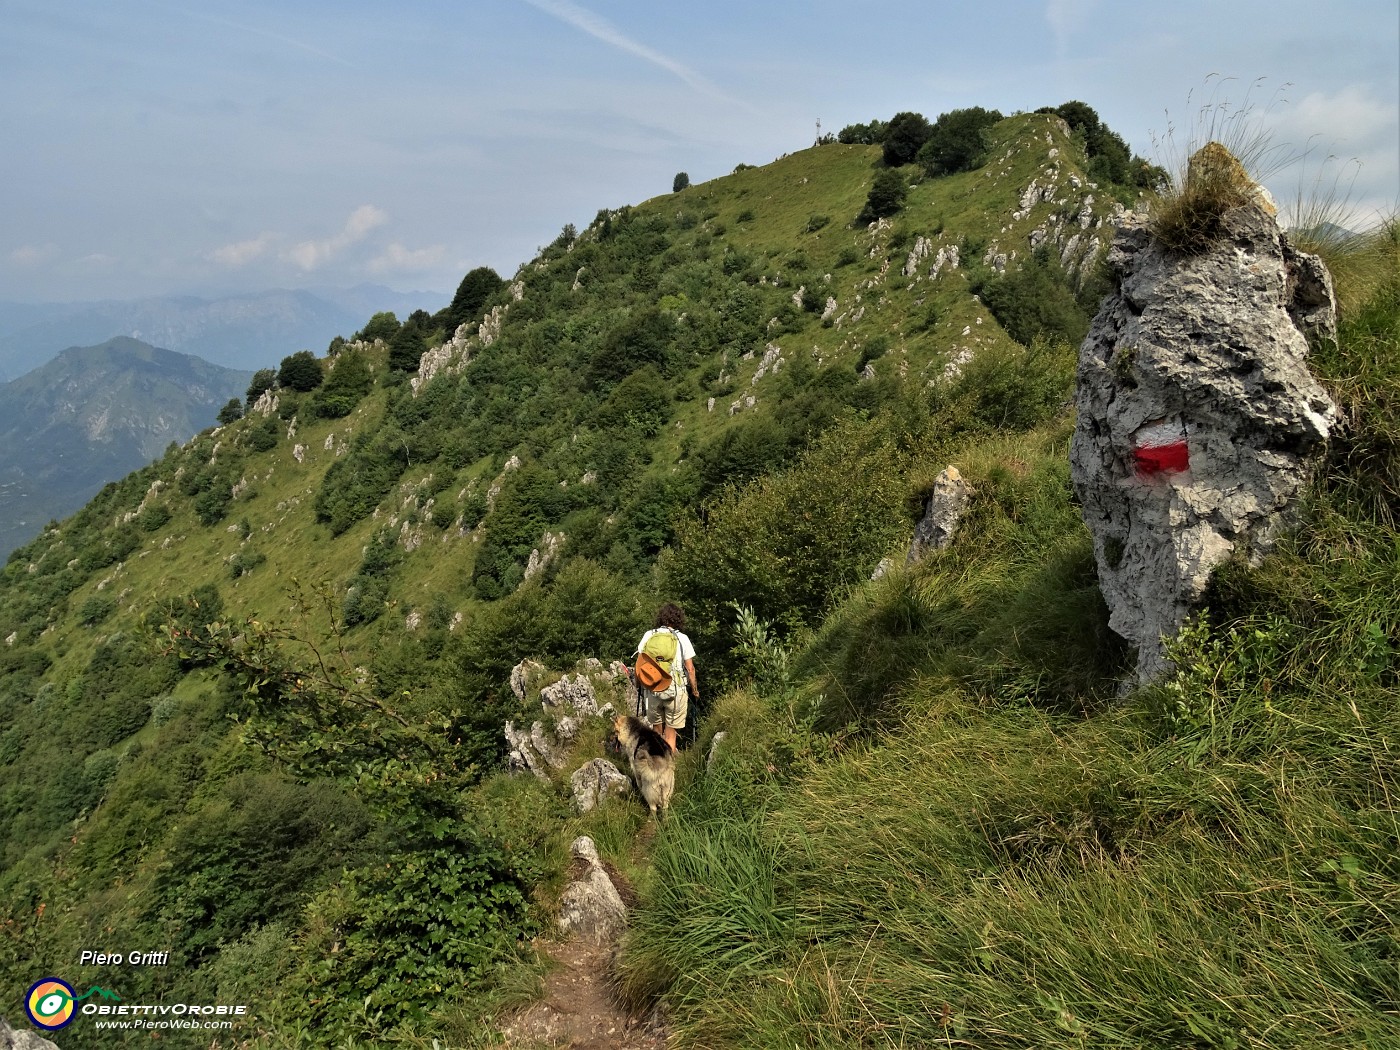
(1159, 450)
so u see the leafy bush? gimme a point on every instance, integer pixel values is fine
(680, 182)
(232, 412)
(886, 198)
(787, 545)
(871, 134)
(252, 856)
(396, 938)
(1036, 301)
(350, 380)
(300, 371)
(904, 137)
(958, 141)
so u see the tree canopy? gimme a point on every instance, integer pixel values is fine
(957, 141)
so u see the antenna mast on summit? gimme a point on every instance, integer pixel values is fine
(819, 130)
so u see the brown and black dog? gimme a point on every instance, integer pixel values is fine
(653, 761)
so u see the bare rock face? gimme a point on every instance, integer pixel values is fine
(943, 512)
(1198, 419)
(19, 1039)
(595, 782)
(590, 906)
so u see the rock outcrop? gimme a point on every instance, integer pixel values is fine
(590, 906)
(1198, 419)
(19, 1039)
(943, 512)
(595, 782)
(567, 703)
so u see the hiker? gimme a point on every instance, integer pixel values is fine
(667, 711)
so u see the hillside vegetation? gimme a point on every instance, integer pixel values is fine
(252, 694)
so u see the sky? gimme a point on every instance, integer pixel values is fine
(155, 148)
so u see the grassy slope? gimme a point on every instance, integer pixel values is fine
(1211, 863)
(175, 770)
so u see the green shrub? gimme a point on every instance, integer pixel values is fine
(886, 198)
(396, 940)
(300, 371)
(957, 141)
(1036, 301)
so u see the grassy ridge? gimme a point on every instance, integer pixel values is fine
(1210, 862)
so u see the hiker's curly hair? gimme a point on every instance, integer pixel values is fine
(671, 615)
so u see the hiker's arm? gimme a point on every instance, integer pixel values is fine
(690, 678)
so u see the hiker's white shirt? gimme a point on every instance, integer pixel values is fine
(687, 650)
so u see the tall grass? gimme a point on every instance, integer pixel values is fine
(1214, 165)
(1213, 862)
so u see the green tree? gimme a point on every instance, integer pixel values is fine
(871, 134)
(300, 371)
(232, 412)
(382, 325)
(476, 288)
(264, 379)
(887, 195)
(406, 349)
(680, 182)
(906, 134)
(349, 381)
(958, 141)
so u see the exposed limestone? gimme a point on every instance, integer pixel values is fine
(591, 907)
(713, 753)
(943, 512)
(947, 257)
(540, 557)
(448, 359)
(1198, 419)
(596, 781)
(772, 361)
(567, 702)
(923, 247)
(576, 695)
(18, 1039)
(266, 404)
(525, 678)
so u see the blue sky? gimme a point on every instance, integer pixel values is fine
(160, 147)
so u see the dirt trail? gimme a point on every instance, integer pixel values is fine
(578, 1010)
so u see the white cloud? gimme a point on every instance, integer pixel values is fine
(311, 254)
(33, 254)
(396, 258)
(600, 29)
(1354, 118)
(242, 253)
(1351, 164)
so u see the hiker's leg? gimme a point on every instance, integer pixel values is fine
(668, 734)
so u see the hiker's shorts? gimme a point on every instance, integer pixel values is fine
(671, 711)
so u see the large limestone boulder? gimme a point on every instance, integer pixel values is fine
(595, 782)
(943, 512)
(1198, 419)
(20, 1039)
(590, 907)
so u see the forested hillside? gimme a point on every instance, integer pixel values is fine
(253, 694)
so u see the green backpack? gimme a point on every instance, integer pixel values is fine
(656, 663)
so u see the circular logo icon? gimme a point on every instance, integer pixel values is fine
(50, 1003)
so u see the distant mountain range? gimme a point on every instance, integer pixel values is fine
(242, 331)
(92, 415)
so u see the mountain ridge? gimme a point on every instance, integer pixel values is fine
(253, 693)
(92, 415)
(247, 330)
